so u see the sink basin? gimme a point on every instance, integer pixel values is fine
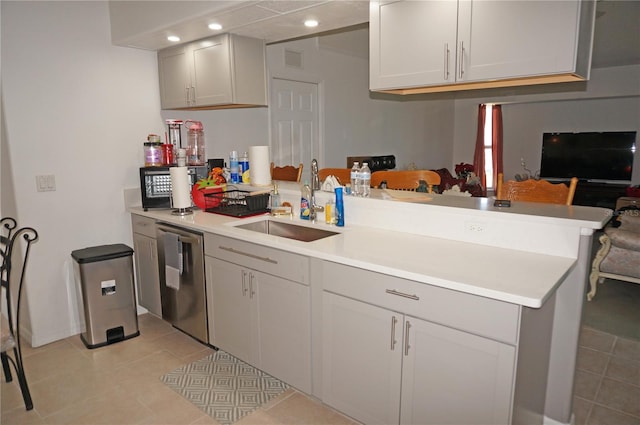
(288, 230)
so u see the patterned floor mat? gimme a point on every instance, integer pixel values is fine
(223, 386)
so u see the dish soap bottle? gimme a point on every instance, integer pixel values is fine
(339, 207)
(305, 201)
(275, 197)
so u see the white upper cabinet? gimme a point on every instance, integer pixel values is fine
(225, 70)
(412, 43)
(428, 46)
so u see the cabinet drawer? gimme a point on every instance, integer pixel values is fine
(482, 316)
(268, 260)
(143, 225)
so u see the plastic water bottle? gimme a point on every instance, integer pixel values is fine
(234, 167)
(365, 180)
(243, 167)
(196, 145)
(355, 171)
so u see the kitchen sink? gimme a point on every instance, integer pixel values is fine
(288, 230)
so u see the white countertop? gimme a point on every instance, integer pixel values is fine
(521, 255)
(514, 276)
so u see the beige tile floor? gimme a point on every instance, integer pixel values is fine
(119, 384)
(607, 387)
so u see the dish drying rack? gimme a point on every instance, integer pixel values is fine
(237, 203)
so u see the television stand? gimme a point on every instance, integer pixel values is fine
(599, 194)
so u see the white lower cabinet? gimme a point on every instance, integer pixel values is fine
(261, 318)
(361, 374)
(453, 377)
(232, 327)
(384, 367)
(145, 250)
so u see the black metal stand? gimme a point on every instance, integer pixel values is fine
(11, 349)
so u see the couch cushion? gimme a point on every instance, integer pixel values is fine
(624, 239)
(622, 261)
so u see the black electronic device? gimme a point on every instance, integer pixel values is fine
(502, 203)
(155, 184)
(592, 156)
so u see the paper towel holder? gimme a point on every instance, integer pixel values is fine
(182, 211)
(181, 201)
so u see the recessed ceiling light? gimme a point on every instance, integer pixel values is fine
(310, 23)
(173, 38)
(215, 26)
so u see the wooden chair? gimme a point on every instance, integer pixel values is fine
(536, 191)
(405, 180)
(288, 173)
(342, 174)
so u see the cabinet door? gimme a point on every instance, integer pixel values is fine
(361, 359)
(174, 75)
(284, 329)
(230, 319)
(146, 259)
(211, 72)
(452, 377)
(516, 38)
(412, 43)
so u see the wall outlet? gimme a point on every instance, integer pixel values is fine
(474, 227)
(46, 183)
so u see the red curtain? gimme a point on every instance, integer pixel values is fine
(496, 141)
(478, 156)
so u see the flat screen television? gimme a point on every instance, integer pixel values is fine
(592, 156)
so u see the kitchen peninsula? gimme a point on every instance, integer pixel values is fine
(492, 296)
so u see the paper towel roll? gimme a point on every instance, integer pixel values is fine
(259, 166)
(180, 187)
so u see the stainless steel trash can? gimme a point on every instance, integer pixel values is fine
(105, 277)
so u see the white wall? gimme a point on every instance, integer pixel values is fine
(226, 129)
(609, 101)
(78, 108)
(353, 123)
(524, 124)
(359, 123)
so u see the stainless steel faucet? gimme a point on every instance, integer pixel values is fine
(315, 185)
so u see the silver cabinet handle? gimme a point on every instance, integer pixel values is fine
(407, 326)
(244, 283)
(461, 59)
(257, 257)
(193, 95)
(402, 294)
(186, 94)
(393, 332)
(446, 61)
(252, 291)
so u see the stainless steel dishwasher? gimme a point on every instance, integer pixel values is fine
(182, 280)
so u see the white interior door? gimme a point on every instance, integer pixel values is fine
(295, 129)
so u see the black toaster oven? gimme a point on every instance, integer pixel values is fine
(155, 184)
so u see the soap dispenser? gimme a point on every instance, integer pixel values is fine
(275, 197)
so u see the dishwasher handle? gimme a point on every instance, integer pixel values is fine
(184, 235)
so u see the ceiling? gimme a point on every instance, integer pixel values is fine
(616, 40)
